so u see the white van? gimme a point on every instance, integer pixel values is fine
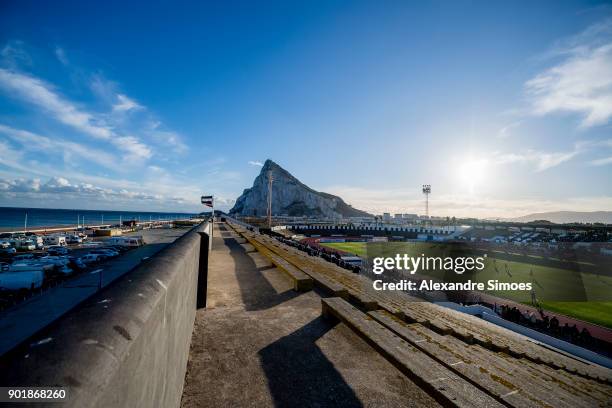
(134, 241)
(37, 241)
(91, 258)
(55, 240)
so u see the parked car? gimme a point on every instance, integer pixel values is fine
(54, 260)
(91, 258)
(58, 250)
(74, 239)
(130, 241)
(23, 244)
(92, 244)
(105, 251)
(38, 241)
(5, 244)
(76, 263)
(23, 257)
(119, 248)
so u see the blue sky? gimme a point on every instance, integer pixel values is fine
(505, 108)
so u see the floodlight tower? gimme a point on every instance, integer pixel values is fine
(427, 192)
(270, 180)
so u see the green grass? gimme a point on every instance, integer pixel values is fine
(357, 248)
(595, 312)
(550, 283)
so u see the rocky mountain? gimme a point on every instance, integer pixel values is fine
(566, 217)
(290, 197)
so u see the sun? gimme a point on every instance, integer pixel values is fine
(472, 174)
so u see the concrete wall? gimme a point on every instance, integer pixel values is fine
(128, 345)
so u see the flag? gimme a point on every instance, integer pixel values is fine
(207, 201)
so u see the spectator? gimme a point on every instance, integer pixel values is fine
(565, 331)
(585, 337)
(554, 324)
(532, 318)
(574, 333)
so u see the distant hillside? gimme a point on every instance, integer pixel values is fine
(290, 197)
(566, 217)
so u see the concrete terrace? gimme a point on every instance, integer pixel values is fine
(259, 343)
(266, 339)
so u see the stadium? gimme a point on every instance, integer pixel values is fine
(568, 267)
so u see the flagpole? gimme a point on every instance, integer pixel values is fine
(209, 201)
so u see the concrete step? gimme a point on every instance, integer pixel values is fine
(301, 281)
(440, 382)
(483, 368)
(498, 338)
(327, 284)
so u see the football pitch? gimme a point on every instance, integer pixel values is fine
(548, 281)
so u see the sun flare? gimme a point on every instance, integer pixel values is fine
(472, 174)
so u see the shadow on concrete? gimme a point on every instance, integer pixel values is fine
(299, 374)
(256, 292)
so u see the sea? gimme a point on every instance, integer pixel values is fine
(15, 218)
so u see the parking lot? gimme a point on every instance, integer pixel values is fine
(42, 307)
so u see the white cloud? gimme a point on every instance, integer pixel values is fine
(125, 104)
(581, 82)
(602, 162)
(150, 186)
(133, 147)
(103, 88)
(70, 150)
(541, 160)
(256, 163)
(13, 159)
(156, 182)
(167, 138)
(20, 185)
(506, 130)
(57, 187)
(41, 94)
(37, 92)
(99, 193)
(547, 160)
(144, 124)
(13, 54)
(61, 55)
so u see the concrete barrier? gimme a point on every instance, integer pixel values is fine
(128, 345)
